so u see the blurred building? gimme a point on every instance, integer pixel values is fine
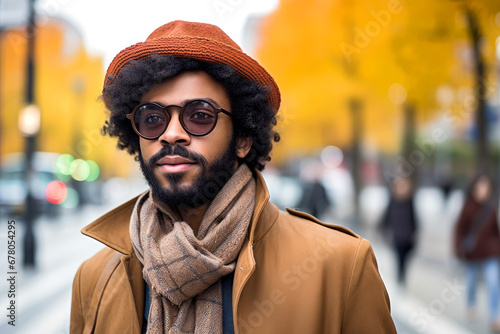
(68, 83)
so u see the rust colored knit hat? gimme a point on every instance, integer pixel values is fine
(200, 41)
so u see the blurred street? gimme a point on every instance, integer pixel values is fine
(434, 298)
(432, 303)
(44, 294)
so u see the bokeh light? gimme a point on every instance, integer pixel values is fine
(80, 169)
(72, 199)
(56, 192)
(63, 164)
(332, 156)
(94, 171)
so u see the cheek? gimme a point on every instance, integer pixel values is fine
(145, 149)
(228, 132)
(141, 145)
(217, 141)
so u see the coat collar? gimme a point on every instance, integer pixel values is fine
(112, 229)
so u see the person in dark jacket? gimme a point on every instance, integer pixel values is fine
(399, 223)
(477, 242)
(315, 199)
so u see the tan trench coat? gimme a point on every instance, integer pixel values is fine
(294, 274)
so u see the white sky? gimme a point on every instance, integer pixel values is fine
(108, 26)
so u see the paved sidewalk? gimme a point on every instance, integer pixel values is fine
(434, 298)
(43, 294)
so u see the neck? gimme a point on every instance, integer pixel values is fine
(194, 216)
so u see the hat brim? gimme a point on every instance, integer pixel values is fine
(203, 49)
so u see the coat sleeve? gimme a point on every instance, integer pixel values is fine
(493, 224)
(85, 283)
(367, 309)
(413, 216)
(383, 225)
(76, 320)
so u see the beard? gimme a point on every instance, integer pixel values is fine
(206, 185)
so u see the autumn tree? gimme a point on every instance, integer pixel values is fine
(324, 53)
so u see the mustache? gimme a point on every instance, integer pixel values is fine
(177, 150)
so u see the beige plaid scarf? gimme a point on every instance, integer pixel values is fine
(184, 271)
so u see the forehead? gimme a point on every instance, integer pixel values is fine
(187, 86)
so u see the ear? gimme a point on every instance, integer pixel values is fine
(243, 145)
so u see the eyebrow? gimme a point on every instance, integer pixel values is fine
(183, 103)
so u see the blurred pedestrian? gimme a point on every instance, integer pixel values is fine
(477, 242)
(446, 185)
(314, 199)
(399, 224)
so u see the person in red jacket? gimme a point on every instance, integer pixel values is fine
(477, 242)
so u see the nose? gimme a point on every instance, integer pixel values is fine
(174, 133)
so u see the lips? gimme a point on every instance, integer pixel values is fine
(175, 163)
(174, 160)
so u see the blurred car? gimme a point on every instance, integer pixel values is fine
(13, 190)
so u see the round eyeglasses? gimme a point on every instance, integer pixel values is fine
(198, 117)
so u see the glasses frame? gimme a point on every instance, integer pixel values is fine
(164, 109)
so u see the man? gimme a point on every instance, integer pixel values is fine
(204, 251)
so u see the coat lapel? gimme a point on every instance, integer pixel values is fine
(112, 229)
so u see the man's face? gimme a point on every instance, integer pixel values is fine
(180, 168)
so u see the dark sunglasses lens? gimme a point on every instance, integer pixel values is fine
(150, 121)
(199, 117)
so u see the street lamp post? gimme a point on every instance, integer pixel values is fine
(31, 115)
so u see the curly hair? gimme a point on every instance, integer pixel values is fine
(252, 116)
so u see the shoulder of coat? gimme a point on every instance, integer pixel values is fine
(311, 218)
(99, 260)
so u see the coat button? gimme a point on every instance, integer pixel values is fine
(241, 269)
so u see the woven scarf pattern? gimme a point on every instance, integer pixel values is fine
(184, 271)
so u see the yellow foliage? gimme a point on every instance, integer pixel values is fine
(325, 53)
(68, 82)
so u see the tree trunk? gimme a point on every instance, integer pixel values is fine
(355, 107)
(409, 136)
(483, 160)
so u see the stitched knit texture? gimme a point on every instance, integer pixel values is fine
(200, 41)
(184, 271)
